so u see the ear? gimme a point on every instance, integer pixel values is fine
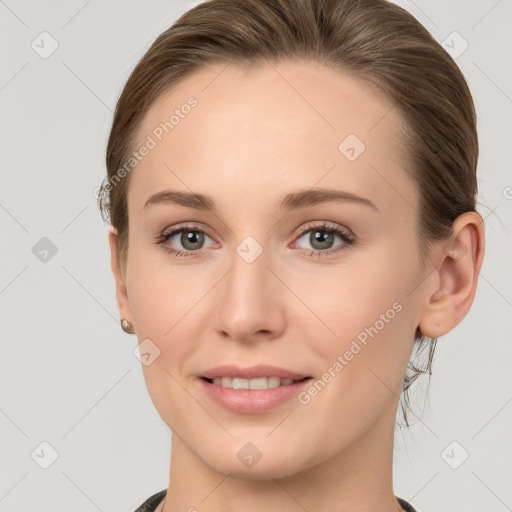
(121, 290)
(457, 261)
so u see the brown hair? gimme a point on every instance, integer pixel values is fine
(374, 40)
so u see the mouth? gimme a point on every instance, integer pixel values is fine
(251, 390)
(258, 383)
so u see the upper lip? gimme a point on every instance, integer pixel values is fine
(251, 372)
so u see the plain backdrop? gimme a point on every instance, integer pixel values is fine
(72, 394)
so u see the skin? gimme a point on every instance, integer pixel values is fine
(252, 139)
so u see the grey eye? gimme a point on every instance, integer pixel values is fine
(190, 239)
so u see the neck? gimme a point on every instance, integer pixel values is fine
(359, 478)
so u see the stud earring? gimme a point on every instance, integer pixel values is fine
(127, 326)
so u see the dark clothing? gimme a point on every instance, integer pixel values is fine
(151, 503)
(405, 505)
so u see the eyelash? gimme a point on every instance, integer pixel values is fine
(347, 238)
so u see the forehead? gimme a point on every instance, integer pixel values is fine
(254, 130)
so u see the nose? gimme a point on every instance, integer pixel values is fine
(251, 301)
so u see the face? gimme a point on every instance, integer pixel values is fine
(302, 255)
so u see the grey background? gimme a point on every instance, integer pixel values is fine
(68, 373)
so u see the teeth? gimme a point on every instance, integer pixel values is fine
(273, 382)
(240, 383)
(258, 383)
(227, 382)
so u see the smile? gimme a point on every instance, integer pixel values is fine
(255, 384)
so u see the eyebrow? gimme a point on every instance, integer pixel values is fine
(292, 201)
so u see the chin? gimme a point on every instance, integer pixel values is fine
(260, 471)
(271, 463)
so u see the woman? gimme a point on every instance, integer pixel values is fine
(291, 188)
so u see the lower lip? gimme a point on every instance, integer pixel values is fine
(251, 401)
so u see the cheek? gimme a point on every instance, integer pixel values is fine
(364, 327)
(165, 309)
(344, 300)
(161, 294)
(362, 364)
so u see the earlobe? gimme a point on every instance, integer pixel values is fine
(121, 290)
(458, 261)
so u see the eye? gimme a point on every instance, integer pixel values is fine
(190, 238)
(322, 238)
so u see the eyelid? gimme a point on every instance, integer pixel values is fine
(321, 224)
(186, 226)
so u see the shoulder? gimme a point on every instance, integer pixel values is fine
(152, 502)
(406, 505)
